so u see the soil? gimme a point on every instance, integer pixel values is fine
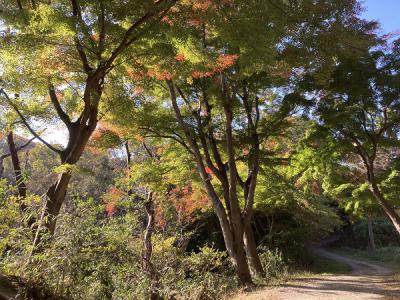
(366, 281)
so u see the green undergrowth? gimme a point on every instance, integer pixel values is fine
(388, 257)
(323, 265)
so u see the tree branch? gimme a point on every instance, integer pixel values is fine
(127, 40)
(161, 135)
(18, 148)
(25, 122)
(76, 12)
(102, 36)
(197, 155)
(60, 112)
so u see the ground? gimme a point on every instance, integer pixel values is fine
(366, 281)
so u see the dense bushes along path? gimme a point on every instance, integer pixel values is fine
(366, 281)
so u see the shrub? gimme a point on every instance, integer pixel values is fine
(93, 256)
(384, 234)
(273, 263)
(390, 254)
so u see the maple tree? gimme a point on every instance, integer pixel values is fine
(359, 109)
(172, 113)
(76, 45)
(225, 97)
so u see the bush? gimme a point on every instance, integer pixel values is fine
(384, 234)
(273, 263)
(390, 254)
(93, 256)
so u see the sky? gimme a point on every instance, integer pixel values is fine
(384, 11)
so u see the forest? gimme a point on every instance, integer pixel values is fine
(194, 149)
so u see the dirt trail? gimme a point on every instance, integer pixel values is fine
(366, 281)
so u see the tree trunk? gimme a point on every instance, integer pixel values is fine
(371, 234)
(386, 206)
(56, 195)
(16, 166)
(251, 252)
(232, 228)
(148, 248)
(235, 247)
(79, 134)
(241, 264)
(1, 167)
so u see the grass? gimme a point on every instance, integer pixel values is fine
(323, 265)
(388, 257)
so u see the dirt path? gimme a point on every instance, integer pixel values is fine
(366, 281)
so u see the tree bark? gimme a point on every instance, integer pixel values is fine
(241, 264)
(232, 228)
(371, 234)
(19, 179)
(252, 254)
(80, 132)
(56, 195)
(148, 248)
(57, 192)
(1, 167)
(386, 206)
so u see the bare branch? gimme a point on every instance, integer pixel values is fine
(102, 36)
(25, 122)
(18, 148)
(76, 12)
(176, 138)
(60, 112)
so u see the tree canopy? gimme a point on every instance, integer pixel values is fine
(196, 133)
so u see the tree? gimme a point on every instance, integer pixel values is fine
(359, 107)
(89, 39)
(227, 100)
(13, 153)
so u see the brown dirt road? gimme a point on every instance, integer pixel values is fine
(366, 282)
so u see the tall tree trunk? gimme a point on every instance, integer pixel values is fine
(16, 165)
(148, 248)
(386, 206)
(79, 134)
(56, 195)
(241, 264)
(2, 167)
(234, 243)
(251, 252)
(232, 228)
(371, 234)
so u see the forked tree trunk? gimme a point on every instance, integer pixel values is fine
(232, 226)
(236, 252)
(80, 132)
(233, 239)
(371, 234)
(241, 264)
